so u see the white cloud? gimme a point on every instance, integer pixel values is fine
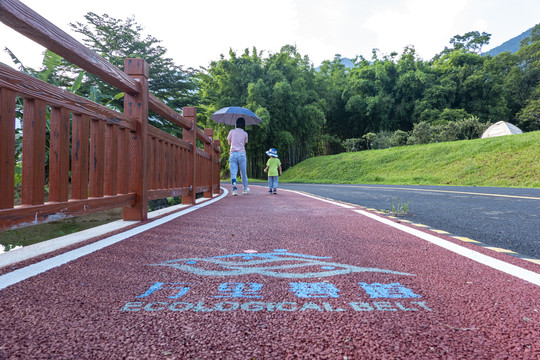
(427, 25)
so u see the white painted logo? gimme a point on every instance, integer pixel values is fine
(280, 264)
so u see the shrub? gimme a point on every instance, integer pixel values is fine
(369, 139)
(422, 133)
(353, 144)
(448, 132)
(382, 140)
(471, 128)
(399, 138)
(529, 116)
(328, 145)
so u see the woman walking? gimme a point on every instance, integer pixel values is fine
(237, 140)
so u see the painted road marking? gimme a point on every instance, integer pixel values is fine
(441, 231)
(45, 265)
(443, 191)
(286, 306)
(466, 239)
(501, 250)
(346, 206)
(500, 265)
(280, 263)
(168, 296)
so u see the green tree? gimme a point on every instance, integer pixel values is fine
(472, 41)
(295, 108)
(413, 78)
(280, 89)
(116, 39)
(229, 82)
(332, 77)
(527, 80)
(369, 95)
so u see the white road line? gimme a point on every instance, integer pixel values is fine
(346, 206)
(439, 190)
(496, 264)
(45, 265)
(500, 265)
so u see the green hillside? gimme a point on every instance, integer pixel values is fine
(511, 45)
(507, 161)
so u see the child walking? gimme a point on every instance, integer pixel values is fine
(273, 167)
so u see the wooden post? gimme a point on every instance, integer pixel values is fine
(190, 135)
(111, 159)
(33, 161)
(217, 167)
(97, 158)
(7, 148)
(79, 156)
(209, 149)
(59, 155)
(123, 162)
(136, 108)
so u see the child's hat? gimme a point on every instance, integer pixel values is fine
(272, 152)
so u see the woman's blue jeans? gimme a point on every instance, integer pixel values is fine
(238, 160)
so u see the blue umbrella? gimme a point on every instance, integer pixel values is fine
(229, 115)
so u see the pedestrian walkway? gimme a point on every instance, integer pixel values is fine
(286, 276)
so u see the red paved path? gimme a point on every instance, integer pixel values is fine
(114, 304)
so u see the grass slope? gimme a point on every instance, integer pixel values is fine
(506, 161)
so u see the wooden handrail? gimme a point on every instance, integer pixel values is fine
(160, 108)
(28, 86)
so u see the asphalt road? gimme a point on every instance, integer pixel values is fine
(507, 218)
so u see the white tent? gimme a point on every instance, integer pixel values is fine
(501, 128)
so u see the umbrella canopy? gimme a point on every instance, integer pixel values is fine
(229, 115)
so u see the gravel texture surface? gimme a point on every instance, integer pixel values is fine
(281, 276)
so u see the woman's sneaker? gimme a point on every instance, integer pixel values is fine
(246, 191)
(234, 192)
(270, 191)
(275, 192)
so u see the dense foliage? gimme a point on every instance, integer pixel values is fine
(281, 90)
(386, 101)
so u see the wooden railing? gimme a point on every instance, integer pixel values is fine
(98, 158)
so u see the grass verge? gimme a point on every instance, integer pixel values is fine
(506, 161)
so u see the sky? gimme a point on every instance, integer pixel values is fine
(196, 32)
